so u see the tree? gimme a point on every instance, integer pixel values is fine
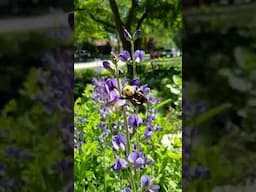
(104, 17)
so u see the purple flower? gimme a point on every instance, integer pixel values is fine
(158, 128)
(104, 135)
(127, 35)
(145, 89)
(119, 164)
(153, 101)
(148, 132)
(126, 190)
(106, 65)
(78, 138)
(113, 97)
(135, 82)
(150, 118)
(137, 158)
(112, 84)
(124, 56)
(134, 121)
(81, 120)
(102, 125)
(146, 183)
(139, 55)
(103, 112)
(119, 142)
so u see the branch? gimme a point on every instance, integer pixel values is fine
(117, 19)
(143, 17)
(107, 24)
(130, 15)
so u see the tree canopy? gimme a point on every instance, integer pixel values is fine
(102, 19)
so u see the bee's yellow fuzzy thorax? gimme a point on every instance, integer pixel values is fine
(128, 91)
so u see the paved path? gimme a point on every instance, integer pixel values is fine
(86, 65)
(96, 65)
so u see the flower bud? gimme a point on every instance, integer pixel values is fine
(114, 57)
(106, 65)
(135, 82)
(137, 34)
(127, 35)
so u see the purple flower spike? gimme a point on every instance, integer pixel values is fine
(124, 56)
(119, 142)
(106, 65)
(135, 82)
(139, 55)
(134, 121)
(137, 158)
(127, 35)
(146, 183)
(119, 164)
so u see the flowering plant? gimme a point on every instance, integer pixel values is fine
(123, 131)
(123, 97)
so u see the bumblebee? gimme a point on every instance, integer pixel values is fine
(134, 95)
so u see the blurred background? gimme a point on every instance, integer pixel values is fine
(219, 95)
(36, 119)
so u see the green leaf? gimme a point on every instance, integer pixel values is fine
(211, 113)
(177, 80)
(163, 103)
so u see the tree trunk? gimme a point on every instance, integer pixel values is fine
(120, 28)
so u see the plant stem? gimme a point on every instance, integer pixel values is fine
(105, 184)
(124, 114)
(127, 133)
(132, 180)
(133, 63)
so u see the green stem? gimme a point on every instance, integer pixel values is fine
(125, 116)
(133, 63)
(105, 182)
(132, 180)
(127, 134)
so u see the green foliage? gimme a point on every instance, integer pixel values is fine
(93, 159)
(94, 20)
(86, 28)
(168, 73)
